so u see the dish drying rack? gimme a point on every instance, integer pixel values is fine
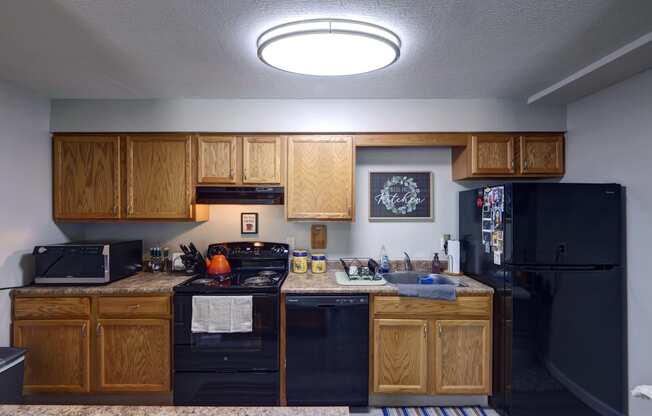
(360, 268)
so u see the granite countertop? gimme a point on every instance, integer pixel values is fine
(46, 410)
(141, 283)
(326, 283)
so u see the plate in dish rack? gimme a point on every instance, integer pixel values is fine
(342, 279)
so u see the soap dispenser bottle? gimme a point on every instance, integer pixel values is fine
(436, 264)
(384, 260)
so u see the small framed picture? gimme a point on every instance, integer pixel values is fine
(249, 223)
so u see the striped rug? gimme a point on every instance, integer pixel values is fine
(436, 411)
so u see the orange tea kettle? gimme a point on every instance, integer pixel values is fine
(217, 264)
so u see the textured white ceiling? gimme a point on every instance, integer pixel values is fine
(206, 48)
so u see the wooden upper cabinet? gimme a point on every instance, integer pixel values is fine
(261, 157)
(492, 154)
(320, 177)
(462, 362)
(400, 361)
(541, 154)
(86, 177)
(57, 354)
(508, 155)
(133, 355)
(217, 159)
(159, 177)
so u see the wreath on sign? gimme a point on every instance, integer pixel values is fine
(400, 205)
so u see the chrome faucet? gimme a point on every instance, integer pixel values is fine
(407, 263)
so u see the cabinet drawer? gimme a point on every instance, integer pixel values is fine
(51, 308)
(465, 306)
(133, 306)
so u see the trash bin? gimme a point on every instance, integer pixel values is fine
(12, 366)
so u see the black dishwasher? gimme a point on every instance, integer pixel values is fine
(327, 350)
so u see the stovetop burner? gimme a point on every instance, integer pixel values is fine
(256, 267)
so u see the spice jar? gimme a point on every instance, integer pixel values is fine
(318, 264)
(299, 261)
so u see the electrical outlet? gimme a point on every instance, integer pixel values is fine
(290, 241)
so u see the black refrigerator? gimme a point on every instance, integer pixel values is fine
(554, 254)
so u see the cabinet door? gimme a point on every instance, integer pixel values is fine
(57, 357)
(542, 155)
(217, 159)
(492, 154)
(86, 173)
(320, 177)
(261, 160)
(400, 356)
(462, 357)
(133, 355)
(159, 179)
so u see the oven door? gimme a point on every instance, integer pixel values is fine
(256, 350)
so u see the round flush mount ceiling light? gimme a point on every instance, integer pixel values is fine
(328, 47)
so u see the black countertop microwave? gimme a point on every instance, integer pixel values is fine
(87, 262)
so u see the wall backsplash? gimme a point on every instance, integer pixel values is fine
(360, 238)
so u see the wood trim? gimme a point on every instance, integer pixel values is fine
(410, 139)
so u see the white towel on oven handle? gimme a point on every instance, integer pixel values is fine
(222, 314)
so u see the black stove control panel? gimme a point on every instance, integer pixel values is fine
(257, 250)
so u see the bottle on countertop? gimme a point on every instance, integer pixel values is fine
(436, 264)
(384, 261)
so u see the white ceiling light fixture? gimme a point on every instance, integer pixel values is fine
(328, 47)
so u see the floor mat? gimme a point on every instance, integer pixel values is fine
(437, 411)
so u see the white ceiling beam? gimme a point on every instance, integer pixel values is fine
(621, 64)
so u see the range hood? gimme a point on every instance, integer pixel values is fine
(240, 195)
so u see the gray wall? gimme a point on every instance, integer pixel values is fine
(305, 115)
(610, 140)
(360, 238)
(26, 202)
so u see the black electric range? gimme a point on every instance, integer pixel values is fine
(232, 369)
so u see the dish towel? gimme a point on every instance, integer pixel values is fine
(222, 314)
(441, 292)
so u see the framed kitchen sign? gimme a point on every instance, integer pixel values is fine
(249, 223)
(400, 196)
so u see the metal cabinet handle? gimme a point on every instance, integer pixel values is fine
(439, 328)
(425, 331)
(136, 306)
(83, 331)
(526, 164)
(98, 329)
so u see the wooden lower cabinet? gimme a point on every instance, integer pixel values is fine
(430, 346)
(133, 355)
(462, 359)
(400, 356)
(94, 344)
(58, 354)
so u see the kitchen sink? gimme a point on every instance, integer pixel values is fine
(415, 277)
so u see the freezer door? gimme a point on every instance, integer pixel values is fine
(569, 224)
(568, 354)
